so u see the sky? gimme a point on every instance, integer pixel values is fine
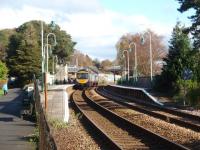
(96, 25)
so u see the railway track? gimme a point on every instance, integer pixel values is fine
(172, 132)
(179, 118)
(118, 132)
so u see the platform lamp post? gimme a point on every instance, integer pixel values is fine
(135, 66)
(150, 51)
(46, 53)
(54, 63)
(55, 57)
(47, 57)
(123, 56)
(127, 61)
(42, 56)
(48, 46)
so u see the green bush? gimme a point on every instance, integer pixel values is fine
(186, 87)
(193, 97)
(188, 84)
(57, 124)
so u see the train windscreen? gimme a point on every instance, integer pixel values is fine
(82, 76)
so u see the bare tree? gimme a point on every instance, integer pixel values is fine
(80, 59)
(105, 64)
(143, 54)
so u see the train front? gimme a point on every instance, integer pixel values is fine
(82, 79)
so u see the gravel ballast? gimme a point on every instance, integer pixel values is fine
(73, 136)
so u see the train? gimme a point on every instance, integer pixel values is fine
(86, 77)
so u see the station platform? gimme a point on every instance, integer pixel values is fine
(144, 90)
(161, 98)
(57, 102)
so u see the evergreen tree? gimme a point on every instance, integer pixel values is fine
(194, 29)
(4, 41)
(24, 53)
(24, 50)
(185, 5)
(64, 47)
(178, 58)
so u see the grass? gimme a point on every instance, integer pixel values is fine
(34, 138)
(57, 124)
(1, 92)
(79, 115)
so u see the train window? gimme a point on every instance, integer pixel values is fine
(82, 76)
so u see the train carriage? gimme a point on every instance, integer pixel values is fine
(86, 78)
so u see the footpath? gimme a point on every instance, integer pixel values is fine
(14, 132)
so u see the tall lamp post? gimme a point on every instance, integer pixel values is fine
(124, 66)
(150, 51)
(48, 46)
(127, 61)
(46, 71)
(53, 66)
(135, 67)
(42, 53)
(46, 56)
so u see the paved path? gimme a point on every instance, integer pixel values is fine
(13, 130)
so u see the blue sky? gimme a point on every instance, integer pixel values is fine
(162, 10)
(97, 25)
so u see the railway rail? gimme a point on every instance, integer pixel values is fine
(117, 131)
(188, 121)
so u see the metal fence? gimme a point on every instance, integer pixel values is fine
(46, 141)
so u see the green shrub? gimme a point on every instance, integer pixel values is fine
(188, 84)
(35, 137)
(193, 97)
(57, 124)
(79, 115)
(186, 87)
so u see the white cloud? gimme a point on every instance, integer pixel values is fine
(70, 6)
(95, 29)
(11, 18)
(104, 29)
